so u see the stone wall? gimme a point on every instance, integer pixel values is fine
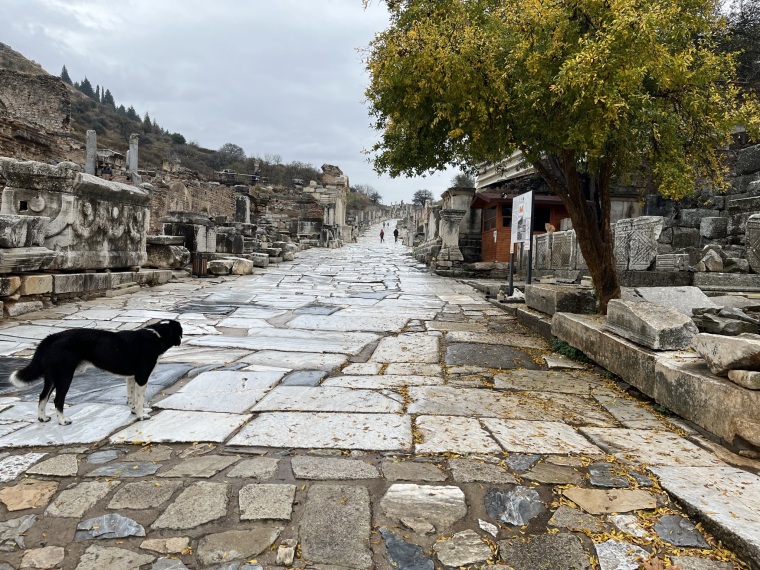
(34, 116)
(169, 195)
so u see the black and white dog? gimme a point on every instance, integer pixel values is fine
(132, 354)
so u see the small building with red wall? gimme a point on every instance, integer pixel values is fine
(496, 220)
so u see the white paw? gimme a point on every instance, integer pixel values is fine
(142, 417)
(43, 419)
(64, 421)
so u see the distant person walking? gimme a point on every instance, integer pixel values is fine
(382, 236)
(395, 235)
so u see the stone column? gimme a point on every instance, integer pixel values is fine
(134, 140)
(91, 152)
(449, 228)
(242, 204)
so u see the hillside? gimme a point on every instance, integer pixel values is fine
(114, 124)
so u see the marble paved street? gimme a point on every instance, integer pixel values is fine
(351, 409)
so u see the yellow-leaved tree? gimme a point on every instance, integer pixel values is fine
(586, 89)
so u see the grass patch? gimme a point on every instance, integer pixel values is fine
(561, 347)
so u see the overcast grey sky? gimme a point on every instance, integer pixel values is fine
(272, 76)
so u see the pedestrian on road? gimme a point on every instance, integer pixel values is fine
(382, 236)
(395, 235)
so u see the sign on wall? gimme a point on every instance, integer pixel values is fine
(522, 222)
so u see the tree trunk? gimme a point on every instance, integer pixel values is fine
(592, 229)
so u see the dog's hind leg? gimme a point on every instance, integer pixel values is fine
(64, 375)
(47, 389)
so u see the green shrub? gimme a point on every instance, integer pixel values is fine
(561, 347)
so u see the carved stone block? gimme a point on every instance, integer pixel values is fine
(643, 245)
(623, 231)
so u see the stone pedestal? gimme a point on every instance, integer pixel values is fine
(450, 235)
(93, 223)
(91, 152)
(242, 204)
(197, 229)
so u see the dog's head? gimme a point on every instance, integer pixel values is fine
(169, 331)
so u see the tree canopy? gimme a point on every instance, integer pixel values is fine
(421, 196)
(586, 89)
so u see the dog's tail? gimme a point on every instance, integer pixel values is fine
(28, 374)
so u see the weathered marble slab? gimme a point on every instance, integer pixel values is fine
(182, 427)
(201, 356)
(222, 391)
(288, 340)
(377, 322)
(549, 381)
(377, 432)
(90, 423)
(683, 299)
(650, 447)
(731, 500)
(243, 323)
(412, 347)
(296, 360)
(516, 340)
(539, 437)
(368, 382)
(451, 434)
(411, 368)
(328, 399)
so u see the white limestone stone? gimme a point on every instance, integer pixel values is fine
(376, 432)
(222, 391)
(328, 399)
(296, 360)
(441, 505)
(518, 436)
(182, 426)
(90, 423)
(451, 434)
(411, 347)
(291, 340)
(650, 447)
(383, 381)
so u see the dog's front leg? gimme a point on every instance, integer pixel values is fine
(131, 393)
(139, 408)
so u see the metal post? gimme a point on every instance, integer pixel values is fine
(511, 268)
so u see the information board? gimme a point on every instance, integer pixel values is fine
(522, 222)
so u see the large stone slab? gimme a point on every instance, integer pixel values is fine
(14, 465)
(231, 545)
(182, 426)
(198, 504)
(296, 360)
(488, 356)
(410, 347)
(653, 326)
(729, 506)
(328, 399)
(649, 447)
(561, 551)
(552, 299)
(98, 557)
(76, 501)
(453, 434)
(379, 432)
(501, 339)
(332, 468)
(345, 544)
(261, 501)
(682, 299)
(382, 381)
(90, 423)
(441, 506)
(724, 353)
(144, 494)
(28, 494)
(602, 501)
(292, 340)
(539, 437)
(222, 391)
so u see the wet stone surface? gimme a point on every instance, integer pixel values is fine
(351, 409)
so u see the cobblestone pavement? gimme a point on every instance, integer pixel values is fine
(353, 410)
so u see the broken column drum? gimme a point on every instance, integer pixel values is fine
(94, 223)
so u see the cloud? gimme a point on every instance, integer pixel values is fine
(280, 77)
